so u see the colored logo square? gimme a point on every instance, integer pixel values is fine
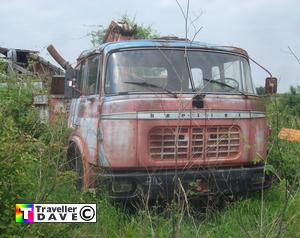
(24, 212)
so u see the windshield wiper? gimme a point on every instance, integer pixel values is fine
(151, 85)
(226, 85)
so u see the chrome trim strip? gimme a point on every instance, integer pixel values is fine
(175, 115)
(119, 116)
(257, 114)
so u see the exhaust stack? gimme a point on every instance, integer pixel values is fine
(58, 58)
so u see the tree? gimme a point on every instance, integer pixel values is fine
(142, 31)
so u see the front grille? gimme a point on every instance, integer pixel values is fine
(194, 142)
(169, 142)
(222, 141)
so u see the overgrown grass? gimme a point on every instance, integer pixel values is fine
(34, 170)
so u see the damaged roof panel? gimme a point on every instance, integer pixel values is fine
(110, 46)
(19, 61)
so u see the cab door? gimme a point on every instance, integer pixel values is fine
(84, 113)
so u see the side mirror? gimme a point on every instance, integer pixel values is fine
(71, 83)
(271, 85)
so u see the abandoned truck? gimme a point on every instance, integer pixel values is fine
(147, 111)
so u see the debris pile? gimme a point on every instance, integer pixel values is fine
(29, 62)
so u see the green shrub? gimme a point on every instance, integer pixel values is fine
(32, 155)
(284, 155)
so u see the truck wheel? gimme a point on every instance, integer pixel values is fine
(84, 170)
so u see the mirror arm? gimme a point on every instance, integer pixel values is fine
(268, 72)
(77, 90)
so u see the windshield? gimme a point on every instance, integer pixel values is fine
(164, 70)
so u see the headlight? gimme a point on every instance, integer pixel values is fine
(121, 186)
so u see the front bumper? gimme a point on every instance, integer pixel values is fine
(191, 183)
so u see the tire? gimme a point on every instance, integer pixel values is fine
(83, 169)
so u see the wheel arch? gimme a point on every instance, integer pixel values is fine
(76, 141)
(88, 172)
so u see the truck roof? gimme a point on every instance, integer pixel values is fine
(161, 43)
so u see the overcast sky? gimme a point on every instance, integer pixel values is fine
(265, 28)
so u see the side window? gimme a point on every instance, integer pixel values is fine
(93, 73)
(246, 72)
(82, 75)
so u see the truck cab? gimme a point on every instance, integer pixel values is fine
(148, 115)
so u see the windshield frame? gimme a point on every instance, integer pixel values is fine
(217, 51)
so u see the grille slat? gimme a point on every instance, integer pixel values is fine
(167, 147)
(170, 153)
(194, 142)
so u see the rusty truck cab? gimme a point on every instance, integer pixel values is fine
(147, 111)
